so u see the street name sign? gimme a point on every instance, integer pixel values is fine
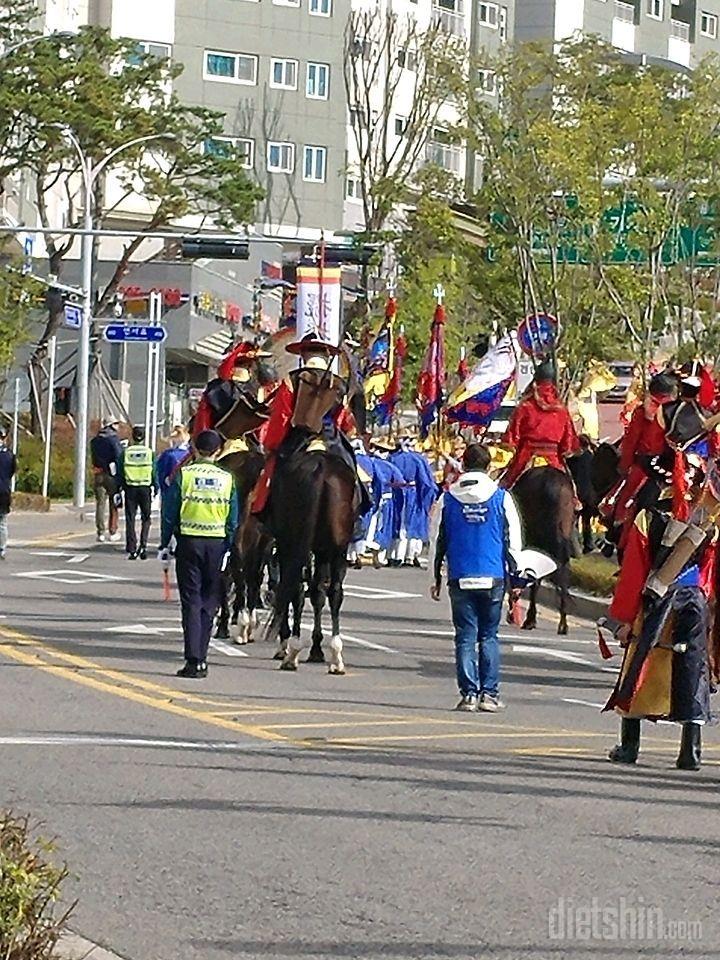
(127, 333)
(73, 316)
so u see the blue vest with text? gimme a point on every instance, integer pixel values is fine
(475, 536)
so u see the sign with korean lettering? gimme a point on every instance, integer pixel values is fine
(318, 303)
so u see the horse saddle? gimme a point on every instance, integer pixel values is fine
(244, 416)
(316, 445)
(317, 392)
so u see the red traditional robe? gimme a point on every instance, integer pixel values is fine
(541, 427)
(644, 437)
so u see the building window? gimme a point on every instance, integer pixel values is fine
(280, 157)
(143, 48)
(283, 74)
(489, 15)
(320, 8)
(503, 24)
(362, 47)
(315, 164)
(230, 67)
(655, 9)
(318, 81)
(241, 147)
(709, 25)
(399, 126)
(407, 58)
(286, 3)
(487, 82)
(353, 190)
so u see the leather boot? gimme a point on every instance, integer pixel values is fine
(629, 747)
(690, 747)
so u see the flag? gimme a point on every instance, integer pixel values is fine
(478, 399)
(385, 407)
(379, 360)
(271, 270)
(431, 382)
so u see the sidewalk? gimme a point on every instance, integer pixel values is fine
(74, 947)
(63, 521)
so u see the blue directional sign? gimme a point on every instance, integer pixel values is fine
(73, 316)
(127, 333)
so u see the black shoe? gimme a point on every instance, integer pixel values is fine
(193, 671)
(142, 553)
(690, 747)
(133, 555)
(629, 747)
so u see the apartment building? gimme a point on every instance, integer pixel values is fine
(678, 32)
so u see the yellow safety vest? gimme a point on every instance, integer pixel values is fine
(206, 492)
(138, 466)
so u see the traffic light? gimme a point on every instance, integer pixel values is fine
(192, 248)
(335, 255)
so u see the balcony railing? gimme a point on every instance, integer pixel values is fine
(624, 11)
(680, 30)
(449, 21)
(447, 157)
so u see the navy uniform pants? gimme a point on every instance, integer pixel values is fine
(197, 565)
(137, 498)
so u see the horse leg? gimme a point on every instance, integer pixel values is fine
(318, 593)
(222, 631)
(335, 594)
(531, 618)
(290, 590)
(563, 589)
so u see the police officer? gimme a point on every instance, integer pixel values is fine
(138, 479)
(201, 509)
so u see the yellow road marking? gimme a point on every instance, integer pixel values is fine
(58, 538)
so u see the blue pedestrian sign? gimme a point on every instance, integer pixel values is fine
(73, 316)
(536, 334)
(27, 250)
(126, 333)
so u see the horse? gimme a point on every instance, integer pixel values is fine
(312, 512)
(545, 499)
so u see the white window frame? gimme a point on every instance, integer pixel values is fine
(286, 3)
(234, 79)
(316, 96)
(316, 150)
(319, 12)
(281, 144)
(143, 47)
(249, 160)
(503, 24)
(355, 197)
(484, 76)
(403, 123)
(652, 6)
(285, 61)
(710, 18)
(484, 9)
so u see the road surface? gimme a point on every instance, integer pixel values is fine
(261, 814)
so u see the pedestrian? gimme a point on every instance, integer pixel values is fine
(478, 532)
(169, 460)
(106, 453)
(8, 468)
(200, 509)
(137, 473)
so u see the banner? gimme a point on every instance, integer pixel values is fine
(318, 303)
(479, 398)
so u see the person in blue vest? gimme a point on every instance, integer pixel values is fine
(388, 496)
(478, 533)
(200, 510)
(139, 483)
(420, 492)
(8, 468)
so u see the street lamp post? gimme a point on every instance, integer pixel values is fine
(90, 173)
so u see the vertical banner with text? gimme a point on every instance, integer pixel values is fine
(318, 303)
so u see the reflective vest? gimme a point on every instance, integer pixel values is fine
(206, 494)
(138, 466)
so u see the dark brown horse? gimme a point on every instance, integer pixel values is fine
(312, 512)
(545, 499)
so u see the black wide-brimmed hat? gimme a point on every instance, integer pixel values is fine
(311, 343)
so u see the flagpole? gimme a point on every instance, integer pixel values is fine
(439, 293)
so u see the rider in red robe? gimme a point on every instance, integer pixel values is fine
(541, 427)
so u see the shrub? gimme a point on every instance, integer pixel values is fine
(30, 921)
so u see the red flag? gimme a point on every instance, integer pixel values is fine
(385, 407)
(431, 382)
(463, 368)
(706, 397)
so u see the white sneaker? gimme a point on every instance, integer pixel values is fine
(3, 555)
(490, 704)
(114, 537)
(101, 538)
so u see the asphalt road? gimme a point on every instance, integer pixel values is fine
(261, 814)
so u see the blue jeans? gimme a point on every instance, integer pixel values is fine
(476, 618)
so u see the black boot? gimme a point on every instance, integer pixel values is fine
(690, 747)
(629, 747)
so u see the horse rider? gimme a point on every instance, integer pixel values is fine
(661, 602)
(643, 440)
(307, 411)
(541, 428)
(240, 377)
(200, 509)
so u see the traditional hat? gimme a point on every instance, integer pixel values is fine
(311, 343)
(662, 385)
(690, 373)
(243, 354)
(382, 443)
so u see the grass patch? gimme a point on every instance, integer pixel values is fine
(594, 574)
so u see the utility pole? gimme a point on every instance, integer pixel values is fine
(52, 346)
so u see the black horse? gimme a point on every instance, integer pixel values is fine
(545, 499)
(312, 512)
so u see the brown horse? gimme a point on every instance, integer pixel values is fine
(312, 512)
(545, 499)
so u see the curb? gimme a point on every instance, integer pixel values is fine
(581, 604)
(72, 946)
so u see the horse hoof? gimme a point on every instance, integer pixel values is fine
(222, 633)
(528, 625)
(278, 655)
(240, 640)
(315, 656)
(288, 665)
(336, 671)
(563, 630)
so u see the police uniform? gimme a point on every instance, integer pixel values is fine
(201, 510)
(139, 482)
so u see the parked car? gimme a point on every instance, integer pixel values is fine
(624, 370)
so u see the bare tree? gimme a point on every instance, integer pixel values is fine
(392, 64)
